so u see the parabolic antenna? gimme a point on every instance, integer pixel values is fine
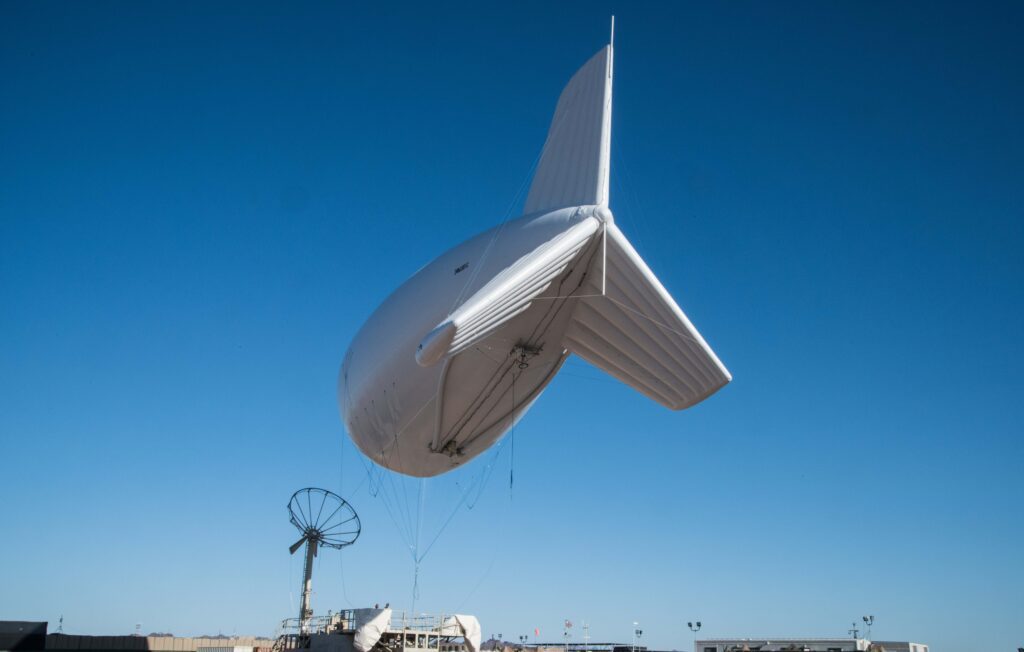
(325, 519)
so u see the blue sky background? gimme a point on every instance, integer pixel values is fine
(201, 202)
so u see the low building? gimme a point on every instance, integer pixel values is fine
(805, 645)
(22, 635)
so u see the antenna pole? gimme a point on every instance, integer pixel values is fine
(611, 41)
(305, 612)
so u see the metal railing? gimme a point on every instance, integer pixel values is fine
(347, 620)
(339, 621)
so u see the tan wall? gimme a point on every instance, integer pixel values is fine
(152, 643)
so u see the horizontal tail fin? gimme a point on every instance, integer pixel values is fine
(637, 333)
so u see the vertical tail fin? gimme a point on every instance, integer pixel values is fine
(574, 165)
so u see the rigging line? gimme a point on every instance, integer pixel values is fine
(341, 469)
(389, 479)
(388, 510)
(478, 401)
(628, 213)
(512, 441)
(603, 379)
(484, 353)
(567, 296)
(360, 485)
(557, 307)
(485, 480)
(483, 425)
(407, 518)
(344, 589)
(419, 514)
(561, 283)
(497, 233)
(384, 498)
(369, 475)
(554, 309)
(552, 131)
(416, 554)
(291, 573)
(408, 424)
(381, 493)
(490, 566)
(478, 480)
(405, 491)
(481, 399)
(686, 336)
(632, 198)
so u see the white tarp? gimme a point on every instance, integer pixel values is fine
(468, 627)
(371, 625)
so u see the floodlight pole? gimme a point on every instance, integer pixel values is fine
(305, 611)
(694, 627)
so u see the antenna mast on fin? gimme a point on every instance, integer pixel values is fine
(611, 41)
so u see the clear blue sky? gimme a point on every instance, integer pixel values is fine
(200, 203)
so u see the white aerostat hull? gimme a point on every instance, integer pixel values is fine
(425, 420)
(598, 299)
(448, 363)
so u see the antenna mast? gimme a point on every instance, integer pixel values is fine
(324, 519)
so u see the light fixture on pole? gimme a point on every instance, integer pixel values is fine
(694, 627)
(869, 621)
(635, 630)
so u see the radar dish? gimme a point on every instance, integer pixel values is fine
(324, 518)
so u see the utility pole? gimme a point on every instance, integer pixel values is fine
(853, 631)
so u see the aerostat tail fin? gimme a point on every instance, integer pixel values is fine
(574, 165)
(636, 332)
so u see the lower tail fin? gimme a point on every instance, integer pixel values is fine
(637, 333)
